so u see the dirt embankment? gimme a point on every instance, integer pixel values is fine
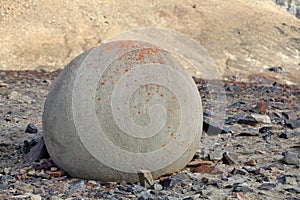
(242, 36)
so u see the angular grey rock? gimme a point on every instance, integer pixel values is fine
(229, 158)
(261, 118)
(266, 186)
(119, 108)
(38, 151)
(146, 178)
(290, 158)
(31, 129)
(216, 155)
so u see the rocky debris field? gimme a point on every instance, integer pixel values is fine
(256, 156)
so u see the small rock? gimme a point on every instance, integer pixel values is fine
(145, 178)
(38, 151)
(187, 198)
(57, 173)
(213, 129)
(250, 169)
(35, 197)
(31, 129)
(199, 162)
(241, 196)
(290, 158)
(237, 104)
(157, 186)
(251, 162)
(267, 186)
(292, 189)
(234, 180)
(293, 123)
(248, 120)
(267, 136)
(216, 155)
(207, 170)
(242, 188)
(265, 129)
(14, 95)
(239, 171)
(285, 135)
(7, 170)
(229, 158)
(249, 132)
(281, 179)
(261, 118)
(275, 69)
(261, 107)
(76, 186)
(290, 115)
(2, 84)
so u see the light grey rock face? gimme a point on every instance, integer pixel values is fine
(292, 6)
(120, 108)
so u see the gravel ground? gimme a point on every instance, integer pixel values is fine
(255, 157)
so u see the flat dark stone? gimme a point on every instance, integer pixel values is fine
(39, 151)
(293, 123)
(265, 129)
(213, 129)
(31, 129)
(248, 120)
(267, 186)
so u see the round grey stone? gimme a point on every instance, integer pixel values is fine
(120, 108)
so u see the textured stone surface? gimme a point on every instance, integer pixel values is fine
(120, 108)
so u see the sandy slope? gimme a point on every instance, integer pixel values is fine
(241, 35)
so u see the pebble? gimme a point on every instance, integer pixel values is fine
(293, 123)
(31, 129)
(249, 132)
(285, 135)
(265, 129)
(239, 171)
(290, 158)
(216, 155)
(207, 170)
(251, 162)
(242, 188)
(261, 107)
(13, 95)
(229, 158)
(261, 118)
(266, 186)
(199, 162)
(248, 121)
(242, 196)
(281, 179)
(157, 186)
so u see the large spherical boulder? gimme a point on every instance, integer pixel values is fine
(119, 108)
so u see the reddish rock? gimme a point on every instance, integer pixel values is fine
(57, 173)
(207, 170)
(261, 107)
(199, 162)
(251, 162)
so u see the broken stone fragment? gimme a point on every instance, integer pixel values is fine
(146, 179)
(229, 158)
(38, 151)
(290, 158)
(261, 118)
